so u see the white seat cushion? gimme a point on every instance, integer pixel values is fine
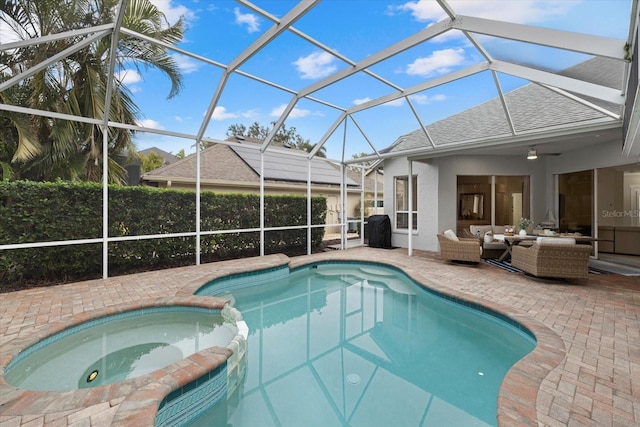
(555, 241)
(450, 234)
(499, 229)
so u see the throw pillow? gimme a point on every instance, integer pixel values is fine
(488, 237)
(450, 234)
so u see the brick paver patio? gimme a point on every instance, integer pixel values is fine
(585, 370)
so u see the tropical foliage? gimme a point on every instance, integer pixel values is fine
(285, 136)
(46, 148)
(150, 162)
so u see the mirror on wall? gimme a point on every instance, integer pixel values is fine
(471, 206)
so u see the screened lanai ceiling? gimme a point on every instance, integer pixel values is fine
(381, 78)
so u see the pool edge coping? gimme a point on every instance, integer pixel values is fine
(516, 398)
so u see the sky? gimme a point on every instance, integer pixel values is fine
(355, 29)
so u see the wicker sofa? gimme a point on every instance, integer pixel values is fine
(553, 257)
(462, 249)
(492, 249)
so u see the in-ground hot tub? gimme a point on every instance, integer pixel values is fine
(123, 346)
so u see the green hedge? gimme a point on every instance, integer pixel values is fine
(36, 212)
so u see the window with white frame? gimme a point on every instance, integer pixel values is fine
(401, 185)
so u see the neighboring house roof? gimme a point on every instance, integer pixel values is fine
(531, 107)
(369, 181)
(217, 162)
(281, 166)
(167, 157)
(241, 163)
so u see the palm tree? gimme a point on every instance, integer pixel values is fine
(43, 148)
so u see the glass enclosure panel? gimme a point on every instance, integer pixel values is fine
(575, 201)
(512, 199)
(619, 196)
(474, 201)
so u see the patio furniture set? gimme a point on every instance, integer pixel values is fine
(551, 255)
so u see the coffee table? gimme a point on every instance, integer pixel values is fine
(511, 241)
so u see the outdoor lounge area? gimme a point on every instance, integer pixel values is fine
(584, 371)
(291, 124)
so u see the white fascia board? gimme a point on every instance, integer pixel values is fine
(567, 83)
(566, 40)
(523, 138)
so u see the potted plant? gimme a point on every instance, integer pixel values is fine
(523, 225)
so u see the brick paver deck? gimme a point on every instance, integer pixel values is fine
(585, 370)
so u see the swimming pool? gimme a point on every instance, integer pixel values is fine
(350, 344)
(119, 347)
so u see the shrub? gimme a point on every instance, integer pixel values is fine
(41, 212)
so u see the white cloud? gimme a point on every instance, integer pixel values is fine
(250, 114)
(248, 19)
(522, 11)
(395, 103)
(151, 124)
(361, 101)
(315, 65)
(128, 77)
(294, 114)
(425, 99)
(173, 13)
(439, 62)
(220, 113)
(186, 64)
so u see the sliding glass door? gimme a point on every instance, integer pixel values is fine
(575, 202)
(486, 199)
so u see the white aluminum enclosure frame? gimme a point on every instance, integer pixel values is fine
(470, 27)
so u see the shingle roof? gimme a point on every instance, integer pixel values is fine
(240, 163)
(531, 107)
(217, 162)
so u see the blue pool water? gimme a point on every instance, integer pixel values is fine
(345, 344)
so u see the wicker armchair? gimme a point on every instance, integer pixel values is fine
(464, 249)
(562, 261)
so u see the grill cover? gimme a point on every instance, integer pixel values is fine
(379, 231)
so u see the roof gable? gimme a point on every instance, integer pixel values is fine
(531, 107)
